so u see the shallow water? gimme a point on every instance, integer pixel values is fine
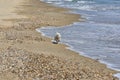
(99, 36)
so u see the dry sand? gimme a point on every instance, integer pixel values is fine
(26, 55)
(7, 11)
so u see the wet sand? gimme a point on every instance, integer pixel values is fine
(26, 55)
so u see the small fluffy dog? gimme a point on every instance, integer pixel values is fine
(57, 38)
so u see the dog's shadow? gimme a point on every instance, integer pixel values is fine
(55, 42)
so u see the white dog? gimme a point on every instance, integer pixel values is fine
(57, 38)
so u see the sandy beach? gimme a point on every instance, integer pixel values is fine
(26, 55)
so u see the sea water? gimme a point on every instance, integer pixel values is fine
(99, 36)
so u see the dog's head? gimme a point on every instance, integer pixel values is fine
(58, 34)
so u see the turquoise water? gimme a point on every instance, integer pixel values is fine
(99, 36)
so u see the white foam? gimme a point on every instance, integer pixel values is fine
(117, 75)
(110, 8)
(38, 30)
(47, 27)
(82, 2)
(85, 2)
(110, 66)
(68, 0)
(85, 7)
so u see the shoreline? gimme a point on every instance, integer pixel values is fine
(69, 47)
(34, 48)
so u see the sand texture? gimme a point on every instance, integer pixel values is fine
(26, 55)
